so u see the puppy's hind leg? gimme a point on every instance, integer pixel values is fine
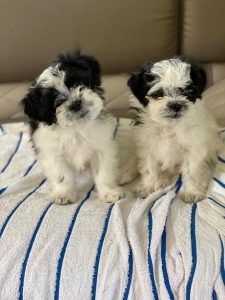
(60, 176)
(196, 177)
(129, 171)
(107, 175)
(152, 179)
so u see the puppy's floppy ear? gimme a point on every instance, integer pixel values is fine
(139, 83)
(198, 77)
(39, 105)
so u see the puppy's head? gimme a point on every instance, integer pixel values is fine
(68, 91)
(168, 89)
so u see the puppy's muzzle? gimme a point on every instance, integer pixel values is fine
(76, 106)
(176, 109)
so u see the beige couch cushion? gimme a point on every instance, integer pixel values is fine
(117, 94)
(121, 34)
(214, 98)
(203, 30)
(10, 97)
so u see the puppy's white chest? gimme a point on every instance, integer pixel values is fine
(76, 150)
(168, 152)
(164, 147)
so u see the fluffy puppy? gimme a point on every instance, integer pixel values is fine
(70, 128)
(174, 132)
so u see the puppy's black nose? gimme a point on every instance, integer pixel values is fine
(175, 106)
(75, 106)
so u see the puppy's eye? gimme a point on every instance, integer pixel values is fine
(148, 76)
(190, 93)
(158, 94)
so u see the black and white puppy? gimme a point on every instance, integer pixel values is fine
(70, 128)
(175, 134)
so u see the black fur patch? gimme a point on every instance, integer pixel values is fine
(139, 83)
(191, 93)
(198, 77)
(39, 104)
(80, 70)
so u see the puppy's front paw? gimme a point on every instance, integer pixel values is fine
(64, 198)
(113, 195)
(142, 191)
(191, 197)
(61, 200)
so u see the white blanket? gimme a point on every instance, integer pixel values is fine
(156, 248)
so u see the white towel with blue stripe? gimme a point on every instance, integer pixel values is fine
(156, 248)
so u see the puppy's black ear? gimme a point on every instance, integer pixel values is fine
(139, 84)
(39, 104)
(198, 77)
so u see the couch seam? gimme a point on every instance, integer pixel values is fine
(122, 93)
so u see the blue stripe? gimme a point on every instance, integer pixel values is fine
(150, 264)
(222, 267)
(2, 190)
(221, 159)
(29, 168)
(193, 251)
(129, 274)
(18, 205)
(178, 184)
(219, 182)
(63, 250)
(99, 251)
(24, 265)
(116, 128)
(24, 175)
(210, 198)
(2, 128)
(13, 154)
(214, 295)
(164, 268)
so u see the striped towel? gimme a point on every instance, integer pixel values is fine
(156, 248)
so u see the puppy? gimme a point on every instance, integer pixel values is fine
(70, 128)
(174, 132)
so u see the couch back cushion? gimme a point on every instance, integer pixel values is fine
(121, 34)
(203, 30)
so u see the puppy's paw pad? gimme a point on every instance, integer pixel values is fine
(112, 196)
(192, 197)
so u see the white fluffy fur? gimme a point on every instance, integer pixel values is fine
(64, 151)
(168, 147)
(48, 80)
(171, 73)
